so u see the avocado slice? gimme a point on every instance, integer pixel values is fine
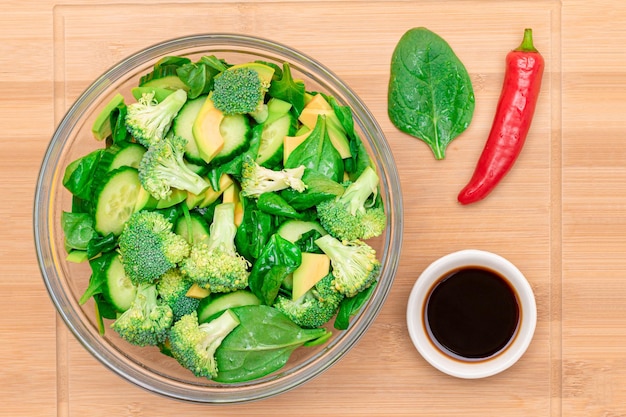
(101, 127)
(265, 71)
(206, 130)
(313, 268)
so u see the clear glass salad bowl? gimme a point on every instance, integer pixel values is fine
(66, 282)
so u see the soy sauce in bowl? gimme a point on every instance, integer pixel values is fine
(472, 313)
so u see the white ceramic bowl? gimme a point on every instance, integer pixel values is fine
(471, 369)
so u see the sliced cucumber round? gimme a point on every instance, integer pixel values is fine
(116, 197)
(292, 230)
(118, 290)
(197, 226)
(235, 130)
(183, 126)
(272, 138)
(214, 304)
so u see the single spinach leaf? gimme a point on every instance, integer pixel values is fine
(318, 188)
(278, 259)
(98, 276)
(101, 244)
(79, 174)
(255, 230)
(318, 153)
(274, 204)
(198, 76)
(350, 306)
(261, 344)
(306, 243)
(118, 120)
(78, 229)
(284, 87)
(430, 93)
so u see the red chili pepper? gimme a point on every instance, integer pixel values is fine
(516, 106)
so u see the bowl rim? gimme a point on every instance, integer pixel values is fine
(127, 369)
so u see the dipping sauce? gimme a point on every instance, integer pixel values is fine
(472, 313)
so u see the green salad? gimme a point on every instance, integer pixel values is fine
(225, 217)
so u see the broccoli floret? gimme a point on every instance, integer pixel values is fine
(354, 264)
(355, 214)
(214, 263)
(149, 248)
(172, 288)
(148, 121)
(239, 91)
(256, 180)
(162, 168)
(193, 345)
(147, 321)
(315, 307)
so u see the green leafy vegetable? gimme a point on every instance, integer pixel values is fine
(279, 258)
(318, 154)
(78, 229)
(79, 174)
(261, 344)
(430, 92)
(284, 87)
(255, 230)
(350, 306)
(274, 204)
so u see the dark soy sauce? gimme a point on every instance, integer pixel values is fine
(472, 313)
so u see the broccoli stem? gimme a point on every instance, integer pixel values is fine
(359, 191)
(181, 177)
(223, 229)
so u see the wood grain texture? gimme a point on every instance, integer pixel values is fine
(559, 215)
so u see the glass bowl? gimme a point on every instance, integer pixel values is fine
(65, 281)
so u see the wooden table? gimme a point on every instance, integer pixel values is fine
(559, 215)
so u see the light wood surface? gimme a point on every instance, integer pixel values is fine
(559, 215)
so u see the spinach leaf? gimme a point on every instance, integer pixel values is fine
(214, 63)
(198, 76)
(306, 242)
(318, 188)
(118, 122)
(318, 153)
(78, 175)
(255, 230)
(274, 204)
(284, 87)
(430, 93)
(78, 229)
(97, 280)
(261, 344)
(279, 258)
(101, 244)
(350, 306)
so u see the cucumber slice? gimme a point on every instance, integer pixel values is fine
(197, 225)
(272, 138)
(235, 130)
(183, 126)
(292, 230)
(163, 77)
(117, 156)
(118, 289)
(116, 197)
(215, 304)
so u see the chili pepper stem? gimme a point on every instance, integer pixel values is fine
(527, 42)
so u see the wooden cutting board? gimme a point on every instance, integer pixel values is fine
(559, 215)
